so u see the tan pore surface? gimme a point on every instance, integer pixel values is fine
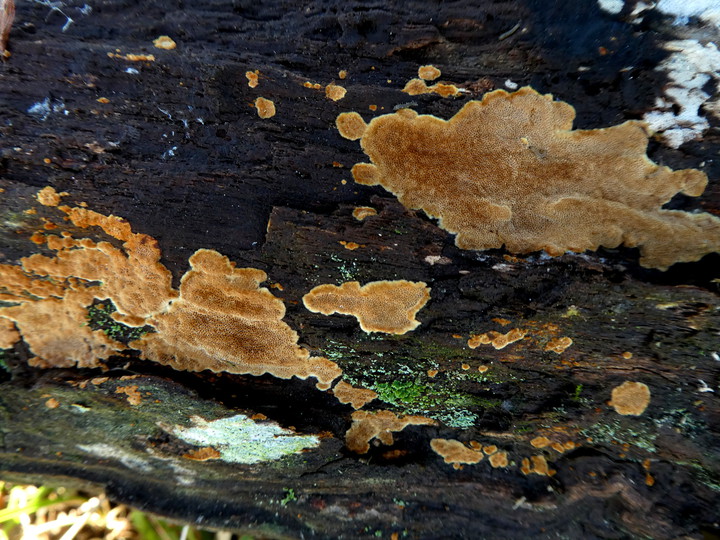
(429, 73)
(47, 196)
(381, 424)
(164, 42)
(379, 306)
(499, 459)
(558, 345)
(510, 171)
(630, 398)
(362, 212)
(417, 87)
(265, 107)
(9, 335)
(223, 321)
(252, 77)
(496, 339)
(350, 125)
(356, 397)
(335, 92)
(453, 451)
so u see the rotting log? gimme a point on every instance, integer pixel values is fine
(176, 147)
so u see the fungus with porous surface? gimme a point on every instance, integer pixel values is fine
(630, 398)
(224, 321)
(510, 171)
(558, 345)
(265, 107)
(429, 73)
(367, 426)
(379, 306)
(496, 339)
(417, 87)
(335, 92)
(455, 452)
(362, 212)
(355, 397)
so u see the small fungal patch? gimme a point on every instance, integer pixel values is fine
(630, 398)
(164, 42)
(265, 107)
(47, 196)
(379, 306)
(335, 92)
(367, 426)
(238, 439)
(536, 465)
(352, 246)
(355, 397)
(417, 87)
(558, 345)
(496, 339)
(428, 73)
(509, 171)
(203, 454)
(253, 78)
(455, 453)
(362, 212)
(131, 391)
(499, 459)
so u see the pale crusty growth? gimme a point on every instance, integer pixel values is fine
(265, 107)
(499, 459)
(362, 212)
(453, 451)
(133, 277)
(510, 171)
(335, 92)
(429, 73)
(9, 335)
(223, 321)
(367, 426)
(55, 329)
(417, 87)
(350, 125)
(630, 398)
(47, 196)
(379, 306)
(252, 77)
(558, 345)
(496, 339)
(356, 397)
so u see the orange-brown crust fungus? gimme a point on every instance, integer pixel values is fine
(9, 335)
(499, 459)
(510, 171)
(496, 339)
(453, 451)
(223, 321)
(558, 345)
(355, 397)
(429, 73)
(350, 125)
(335, 92)
(265, 107)
(417, 87)
(253, 78)
(379, 306)
(47, 196)
(367, 426)
(630, 398)
(362, 212)
(164, 42)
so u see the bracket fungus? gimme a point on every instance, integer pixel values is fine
(630, 398)
(455, 452)
(220, 319)
(367, 426)
(379, 306)
(510, 171)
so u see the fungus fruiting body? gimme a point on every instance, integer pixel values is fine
(510, 171)
(416, 87)
(265, 107)
(558, 345)
(630, 398)
(453, 452)
(429, 73)
(367, 426)
(362, 212)
(164, 42)
(496, 339)
(379, 306)
(355, 397)
(253, 78)
(220, 319)
(335, 92)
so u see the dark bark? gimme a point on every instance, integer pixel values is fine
(180, 153)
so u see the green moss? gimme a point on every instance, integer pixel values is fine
(100, 318)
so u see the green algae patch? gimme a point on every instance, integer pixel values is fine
(242, 440)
